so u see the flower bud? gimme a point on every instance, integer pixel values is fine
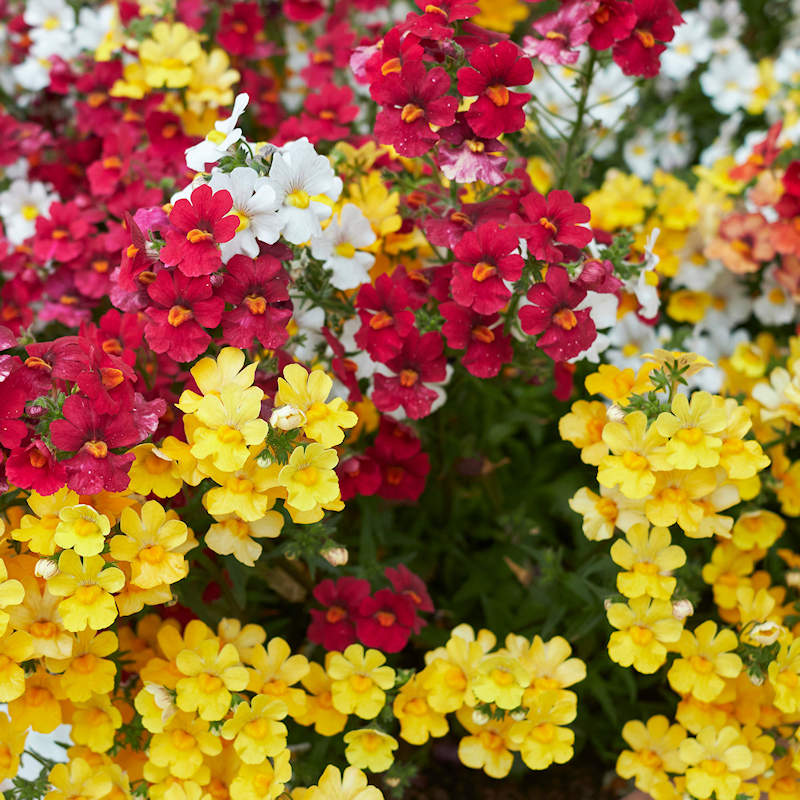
(756, 680)
(792, 578)
(764, 633)
(614, 413)
(45, 568)
(479, 717)
(607, 603)
(287, 418)
(162, 698)
(518, 714)
(336, 556)
(682, 609)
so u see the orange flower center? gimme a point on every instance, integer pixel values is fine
(548, 225)
(690, 436)
(96, 449)
(565, 318)
(481, 271)
(408, 377)
(381, 320)
(177, 315)
(411, 113)
(634, 461)
(646, 38)
(154, 554)
(498, 94)
(359, 683)
(385, 618)
(195, 235)
(255, 304)
(483, 334)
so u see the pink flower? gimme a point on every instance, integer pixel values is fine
(563, 31)
(385, 621)
(553, 220)
(335, 627)
(480, 335)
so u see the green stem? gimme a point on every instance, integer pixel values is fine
(566, 174)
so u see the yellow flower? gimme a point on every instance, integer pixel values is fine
(449, 672)
(714, 760)
(618, 384)
(348, 785)
(95, 723)
(262, 781)
(229, 424)
(275, 671)
(705, 660)
(255, 729)
(309, 477)
(39, 707)
(370, 749)
(167, 55)
(784, 675)
(12, 743)
(212, 673)
(87, 670)
(77, 779)
(684, 305)
(320, 713)
(182, 744)
(599, 512)
(644, 626)
(741, 458)
(757, 529)
(488, 745)
(678, 496)
(12, 593)
(620, 202)
(501, 680)
(500, 15)
(86, 586)
(359, 681)
(418, 721)
(81, 528)
(632, 445)
(15, 647)
(247, 492)
(40, 529)
(727, 571)
(231, 536)
(152, 544)
(378, 205)
(154, 471)
(654, 751)
(583, 427)
(541, 737)
(307, 392)
(211, 82)
(690, 429)
(649, 560)
(212, 375)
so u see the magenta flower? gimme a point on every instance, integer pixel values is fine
(555, 219)
(563, 31)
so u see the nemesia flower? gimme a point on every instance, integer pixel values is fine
(385, 620)
(334, 628)
(217, 143)
(563, 31)
(339, 246)
(487, 347)
(554, 219)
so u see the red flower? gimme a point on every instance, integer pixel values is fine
(182, 309)
(335, 627)
(327, 113)
(303, 10)
(611, 21)
(554, 219)
(165, 132)
(385, 318)
(563, 31)
(238, 27)
(417, 99)
(385, 621)
(420, 361)
(565, 331)
(14, 393)
(397, 48)
(495, 68)
(404, 466)
(257, 290)
(481, 336)
(433, 23)
(640, 53)
(199, 225)
(60, 236)
(764, 153)
(405, 582)
(485, 261)
(91, 437)
(35, 467)
(358, 475)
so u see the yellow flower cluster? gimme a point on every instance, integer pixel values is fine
(510, 699)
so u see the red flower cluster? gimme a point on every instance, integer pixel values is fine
(384, 620)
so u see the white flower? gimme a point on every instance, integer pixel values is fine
(216, 143)
(731, 304)
(725, 22)
(730, 80)
(639, 153)
(645, 287)
(610, 94)
(255, 204)
(308, 319)
(20, 205)
(787, 67)
(674, 146)
(630, 338)
(338, 247)
(774, 306)
(300, 177)
(690, 46)
(603, 311)
(32, 74)
(94, 24)
(49, 14)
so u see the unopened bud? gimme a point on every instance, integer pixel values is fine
(479, 717)
(793, 578)
(607, 603)
(45, 568)
(163, 700)
(682, 609)
(518, 714)
(756, 680)
(336, 556)
(287, 418)
(614, 413)
(764, 633)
